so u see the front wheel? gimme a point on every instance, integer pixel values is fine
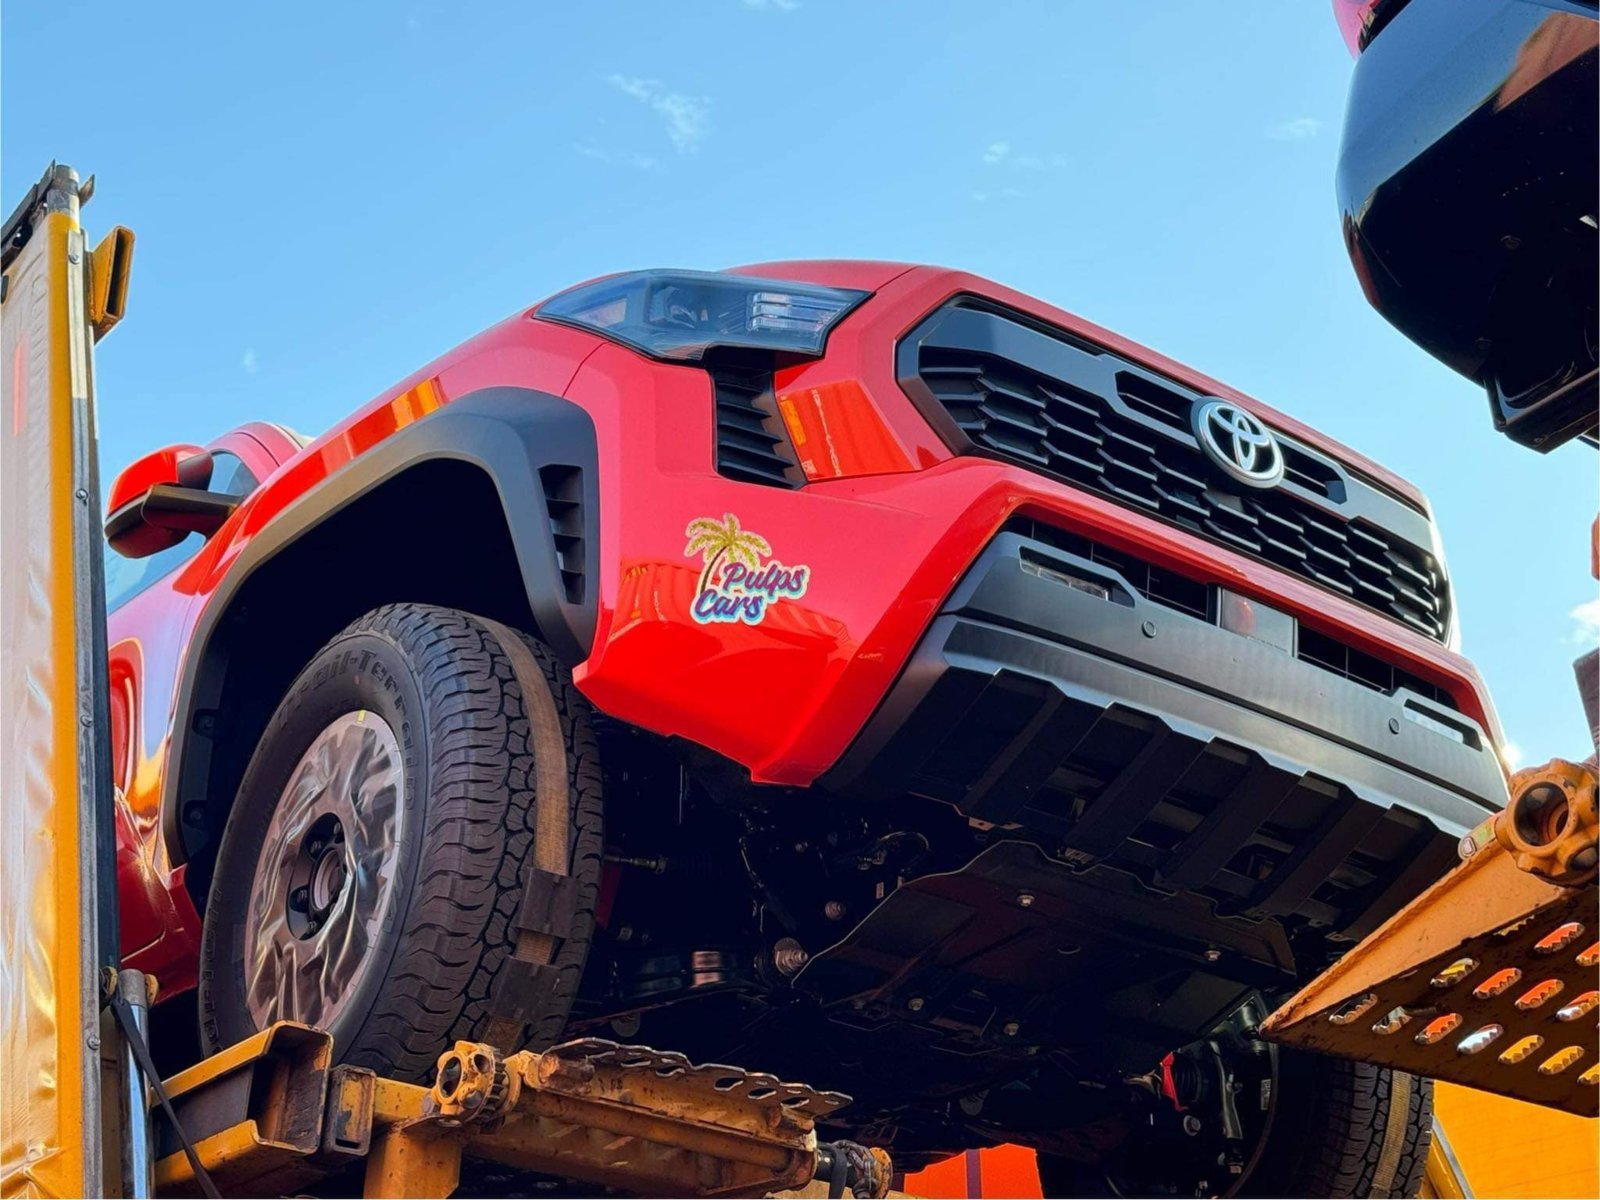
(373, 864)
(1336, 1129)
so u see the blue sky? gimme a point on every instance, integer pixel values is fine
(327, 195)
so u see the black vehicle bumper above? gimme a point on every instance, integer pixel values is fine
(1112, 728)
(1467, 180)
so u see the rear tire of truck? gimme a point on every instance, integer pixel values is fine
(1340, 1129)
(373, 863)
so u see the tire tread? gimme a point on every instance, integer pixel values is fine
(477, 820)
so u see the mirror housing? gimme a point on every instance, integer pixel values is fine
(160, 499)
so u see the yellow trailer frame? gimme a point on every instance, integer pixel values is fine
(56, 300)
(273, 1115)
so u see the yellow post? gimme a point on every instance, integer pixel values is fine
(51, 708)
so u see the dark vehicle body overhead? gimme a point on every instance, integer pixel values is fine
(1467, 182)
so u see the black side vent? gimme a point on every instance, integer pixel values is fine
(563, 504)
(752, 446)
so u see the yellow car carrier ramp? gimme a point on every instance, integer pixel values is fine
(1488, 978)
(273, 1116)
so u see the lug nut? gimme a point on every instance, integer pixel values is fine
(1191, 1124)
(916, 1003)
(1213, 954)
(1024, 899)
(834, 910)
(1011, 1029)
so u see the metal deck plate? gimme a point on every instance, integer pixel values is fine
(1511, 1010)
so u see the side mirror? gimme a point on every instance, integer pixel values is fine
(160, 499)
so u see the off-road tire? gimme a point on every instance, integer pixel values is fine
(449, 687)
(1336, 1132)
(1345, 1129)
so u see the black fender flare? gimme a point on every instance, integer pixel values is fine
(538, 450)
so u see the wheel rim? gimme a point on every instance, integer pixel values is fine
(325, 879)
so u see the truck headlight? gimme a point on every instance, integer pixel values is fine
(679, 315)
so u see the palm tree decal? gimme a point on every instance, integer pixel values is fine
(716, 540)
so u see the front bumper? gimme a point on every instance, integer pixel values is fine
(1119, 730)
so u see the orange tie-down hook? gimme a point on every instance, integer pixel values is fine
(1550, 825)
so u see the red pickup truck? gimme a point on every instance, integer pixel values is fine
(988, 717)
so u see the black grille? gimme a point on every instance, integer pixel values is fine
(1120, 433)
(752, 446)
(1150, 581)
(1359, 667)
(1197, 599)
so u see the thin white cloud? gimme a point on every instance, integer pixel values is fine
(250, 362)
(621, 158)
(687, 118)
(1041, 162)
(1587, 616)
(1003, 153)
(1005, 193)
(1299, 129)
(772, 5)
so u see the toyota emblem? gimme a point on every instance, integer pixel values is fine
(1237, 441)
